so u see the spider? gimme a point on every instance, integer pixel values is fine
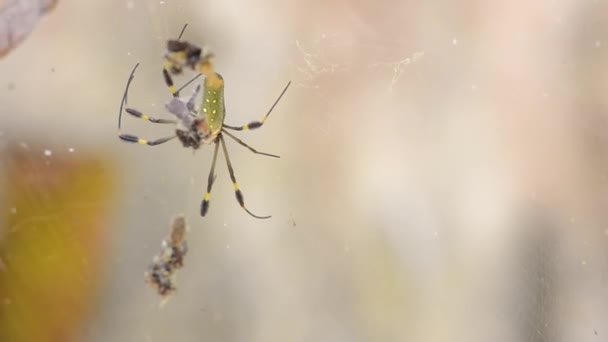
(196, 127)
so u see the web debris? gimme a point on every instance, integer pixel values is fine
(161, 273)
(317, 60)
(399, 66)
(336, 61)
(316, 65)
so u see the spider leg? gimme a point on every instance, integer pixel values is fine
(247, 146)
(138, 114)
(134, 139)
(210, 180)
(169, 79)
(258, 124)
(237, 190)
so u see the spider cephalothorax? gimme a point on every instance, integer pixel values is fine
(197, 134)
(192, 129)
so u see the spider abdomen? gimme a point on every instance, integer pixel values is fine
(213, 109)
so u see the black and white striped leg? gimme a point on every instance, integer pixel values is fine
(237, 190)
(210, 180)
(247, 146)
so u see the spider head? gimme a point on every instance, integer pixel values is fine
(196, 135)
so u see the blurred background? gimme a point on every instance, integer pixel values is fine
(443, 173)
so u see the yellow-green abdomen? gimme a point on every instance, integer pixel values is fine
(213, 109)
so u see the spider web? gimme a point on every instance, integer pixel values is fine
(318, 60)
(322, 64)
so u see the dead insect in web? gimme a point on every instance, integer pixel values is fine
(161, 272)
(194, 126)
(180, 54)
